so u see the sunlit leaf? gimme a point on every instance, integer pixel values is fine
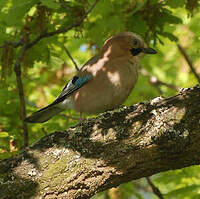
(4, 134)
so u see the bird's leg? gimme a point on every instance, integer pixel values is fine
(82, 118)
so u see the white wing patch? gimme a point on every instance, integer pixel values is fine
(66, 104)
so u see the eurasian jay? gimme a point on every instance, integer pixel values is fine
(104, 82)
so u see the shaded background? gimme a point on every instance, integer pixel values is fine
(172, 27)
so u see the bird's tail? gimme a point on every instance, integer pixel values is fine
(43, 114)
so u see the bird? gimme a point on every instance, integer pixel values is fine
(104, 82)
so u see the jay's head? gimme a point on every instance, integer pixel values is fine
(126, 44)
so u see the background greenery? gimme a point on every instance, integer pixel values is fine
(46, 67)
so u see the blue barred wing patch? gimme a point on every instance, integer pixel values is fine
(73, 85)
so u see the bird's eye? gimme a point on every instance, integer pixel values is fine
(136, 42)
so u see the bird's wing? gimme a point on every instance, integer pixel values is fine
(71, 86)
(47, 112)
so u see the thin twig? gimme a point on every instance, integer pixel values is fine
(62, 30)
(155, 189)
(157, 83)
(17, 69)
(68, 53)
(62, 4)
(155, 80)
(182, 51)
(70, 117)
(12, 43)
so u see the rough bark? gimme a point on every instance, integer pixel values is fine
(116, 147)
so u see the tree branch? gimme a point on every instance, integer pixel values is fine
(116, 147)
(20, 42)
(17, 69)
(63, 30)
(49, 34)
(182, 51)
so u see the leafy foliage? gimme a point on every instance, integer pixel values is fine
(46, 67)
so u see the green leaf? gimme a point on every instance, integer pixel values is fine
(15, 14)
(171, 19)
(3, 5)
(153, 2)
(50, 4)
(137, 24)
(139, 6)
(175, 3)
(4, 155)
(4, 134)
(169, 36)
(184, 191)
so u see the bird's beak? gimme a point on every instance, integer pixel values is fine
(136, 51)
(149, 51)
